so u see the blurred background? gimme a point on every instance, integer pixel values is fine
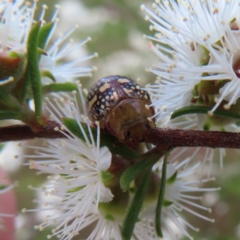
(116, 28)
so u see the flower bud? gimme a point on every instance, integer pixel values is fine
(12, 68)
(204, 89)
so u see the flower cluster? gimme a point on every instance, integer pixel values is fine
(180, 195)
(197, 43)
(96, 182)
(81, 193)
(17, 19)
(76, 167)
(198, 46)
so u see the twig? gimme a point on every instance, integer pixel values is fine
(24, 132)
(162, 138)
(172, 138)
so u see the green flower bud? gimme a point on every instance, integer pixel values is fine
(204, 88)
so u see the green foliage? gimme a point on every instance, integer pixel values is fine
(44, 33)
(9, 115)
(32, 72)
(135, 206)
(161, 197)
(172, 179)
(59, 87)
(204, 110)
(106, 175)
(132, 172)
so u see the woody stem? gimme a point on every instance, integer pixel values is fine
(163, 138)
(172, 138)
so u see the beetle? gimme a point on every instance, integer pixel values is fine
(121, 107)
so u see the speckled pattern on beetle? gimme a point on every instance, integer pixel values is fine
(120, 106)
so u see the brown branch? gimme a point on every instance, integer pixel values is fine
(162, 138)
(24, 132)
(172, 138)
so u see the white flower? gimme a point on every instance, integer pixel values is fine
(15, 24)
(104, 228)
(195, 20)
(177, 78)
(61, 49)
(80, 197)
(181, 183)
(17, 19)
(76, 170)
(197, 40)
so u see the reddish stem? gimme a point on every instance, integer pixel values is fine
(172, 138)
(162, 138)
(24, 132)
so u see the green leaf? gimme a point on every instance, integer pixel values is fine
(49, 75)
(42, 52)
(59, 87)
(8, 101)
(14, 109)
(132, 172)
(111, 142)
(9, 115)
(172, 179)
(204, 110)
(135, 206)
(161, 197)
(167, 203)
(106, 175)
(26, 89)
(33, 70)
(43, 35)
